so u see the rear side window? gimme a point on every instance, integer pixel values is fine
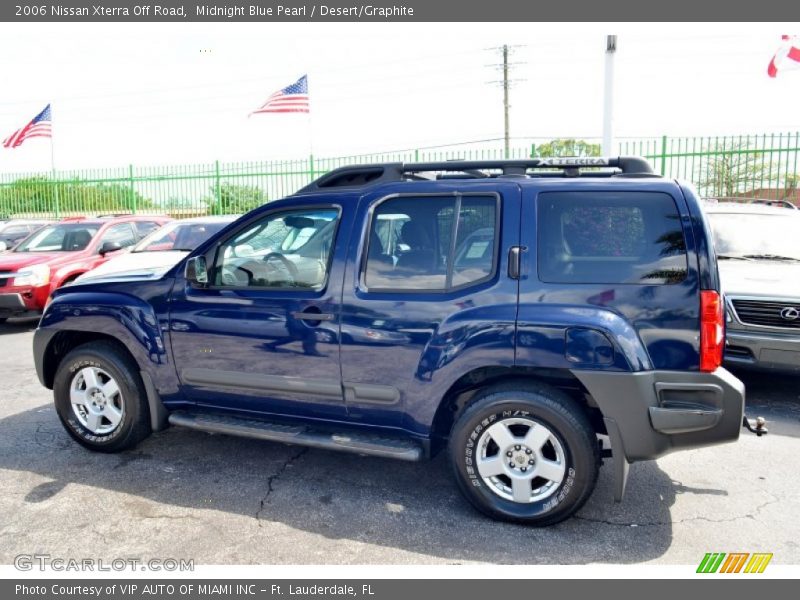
(144, 228)
(610, 237)
(432, 243)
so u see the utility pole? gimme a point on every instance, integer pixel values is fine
(507, 83)
(608, 96)
(505, 99)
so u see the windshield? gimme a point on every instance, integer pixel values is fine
(66, 237)
(179, 236)
(756, 236)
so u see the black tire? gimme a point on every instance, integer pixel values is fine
(539, 405)
(111, 358)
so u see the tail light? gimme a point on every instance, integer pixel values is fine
(712, 330)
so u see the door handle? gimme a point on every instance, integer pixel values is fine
(515, 262)
(311, 316)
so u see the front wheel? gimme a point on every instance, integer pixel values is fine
(100, 398)
(525, 454)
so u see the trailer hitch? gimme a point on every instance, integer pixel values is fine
(757, 425)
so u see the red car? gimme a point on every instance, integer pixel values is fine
(58, 253)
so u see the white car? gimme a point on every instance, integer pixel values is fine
(164, 248)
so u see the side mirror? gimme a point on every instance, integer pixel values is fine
(109, 247)
(196, 271)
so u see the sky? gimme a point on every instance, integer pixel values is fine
(153, 94)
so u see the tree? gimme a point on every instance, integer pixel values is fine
(790, 190)
(234, 199)
(38, 194)
(736, 171)
(567, 147)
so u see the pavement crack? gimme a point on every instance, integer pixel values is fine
(750, 515)
(275, 477)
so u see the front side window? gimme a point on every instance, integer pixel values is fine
(71, 237)
(431, 243)
(609, 237)
(286, 250)
(16, 230)
(144, 228)
(183, 236)
(121, 234)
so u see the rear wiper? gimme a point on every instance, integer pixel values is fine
(732, 257)
(771, 257)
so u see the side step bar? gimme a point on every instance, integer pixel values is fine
(355, 442)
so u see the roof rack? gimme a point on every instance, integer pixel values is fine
(356, 176)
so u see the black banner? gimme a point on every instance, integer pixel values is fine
(386, 589)
(400, 11)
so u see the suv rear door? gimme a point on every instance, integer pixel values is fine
(426, 296)
(615, 256)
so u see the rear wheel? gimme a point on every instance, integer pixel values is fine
(525, 454)
(100, 398)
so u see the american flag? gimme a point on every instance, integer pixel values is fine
(787, 57)
(292, 98)
(40, 126)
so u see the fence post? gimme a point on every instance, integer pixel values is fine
(663, 155)
(533, 151)
(56, 200)
(416, 155)
(218, 189)
(311, 167)
(132, 189)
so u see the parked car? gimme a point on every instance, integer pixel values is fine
(58, 253)
(528, 323)
(163, 248)
(758, 248)
(15, 230)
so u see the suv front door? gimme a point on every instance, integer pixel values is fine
(261, 336)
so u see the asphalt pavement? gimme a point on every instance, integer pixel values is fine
(224, 500)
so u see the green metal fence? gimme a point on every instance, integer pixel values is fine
(764, 166)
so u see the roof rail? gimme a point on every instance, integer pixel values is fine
(356, 176)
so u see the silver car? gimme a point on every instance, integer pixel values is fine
(758, 250)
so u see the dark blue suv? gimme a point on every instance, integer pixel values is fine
(531, 317)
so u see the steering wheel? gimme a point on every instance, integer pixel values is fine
(287, 266)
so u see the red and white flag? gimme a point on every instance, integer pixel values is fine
(39, 126)
(787, 57)
(291, 99)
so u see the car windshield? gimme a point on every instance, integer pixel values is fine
(179, 236)
(756, 236)
(63, 237)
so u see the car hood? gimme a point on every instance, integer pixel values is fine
(760, 278)
(14, 261)
(137, 262)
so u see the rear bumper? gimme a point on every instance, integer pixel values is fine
(651, 413)
(765, 351)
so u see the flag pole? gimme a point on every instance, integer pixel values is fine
(310, 134)
(56, 207)
(608, 96)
